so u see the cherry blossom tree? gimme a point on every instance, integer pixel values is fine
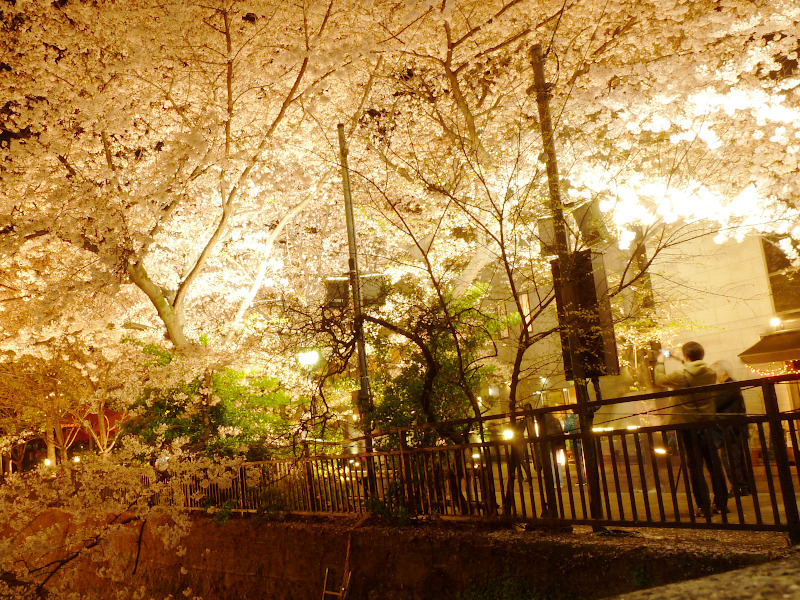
(452, 138)
(160, 139)
(172, 167)
(163, 188)
(154, 150)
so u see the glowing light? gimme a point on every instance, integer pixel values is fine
(625, 239)
(632, 427)
(775, 321)
(561, 457)
(508, 434)
(308, 358)
(76, 459)
(47, 462)
(476, 456)
(774, 372)
(660, 450)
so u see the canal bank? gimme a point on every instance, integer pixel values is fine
(251, 558)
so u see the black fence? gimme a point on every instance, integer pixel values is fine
(526, 469)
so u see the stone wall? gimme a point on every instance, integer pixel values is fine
(245, 559)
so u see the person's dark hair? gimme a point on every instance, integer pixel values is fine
(693, 351)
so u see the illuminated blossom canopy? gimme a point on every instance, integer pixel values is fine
(171, 166)
(169, 173)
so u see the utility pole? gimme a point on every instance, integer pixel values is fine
(566, 282)
(365, 407)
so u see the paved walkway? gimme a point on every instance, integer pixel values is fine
(779, 579)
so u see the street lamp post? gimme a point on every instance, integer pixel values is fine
(358, 318)
(365, 407)
(565, 281)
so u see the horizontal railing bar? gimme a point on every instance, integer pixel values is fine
(595, 404)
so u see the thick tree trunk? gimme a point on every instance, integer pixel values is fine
(102, 429)
(16, 459)
(61, 443)
(171, 318)
(50, 440)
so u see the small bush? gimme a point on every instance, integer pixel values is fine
(220, 515)
(392, 508)
(271, 507)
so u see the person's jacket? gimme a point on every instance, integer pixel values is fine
(730, 400)
(693, 407)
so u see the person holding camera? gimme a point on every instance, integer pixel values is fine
(698, 441)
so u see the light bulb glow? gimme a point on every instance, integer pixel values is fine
(308, 358)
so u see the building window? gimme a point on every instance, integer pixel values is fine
(525, 304)
(502, 316)
(784, 279)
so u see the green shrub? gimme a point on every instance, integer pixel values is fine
(392, 508)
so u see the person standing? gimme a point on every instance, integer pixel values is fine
(732, 440)
(572, 425)
(545, 456)
(697, 441)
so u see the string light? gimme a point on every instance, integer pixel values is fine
(774, 373)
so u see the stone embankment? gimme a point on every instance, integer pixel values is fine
(245, 558)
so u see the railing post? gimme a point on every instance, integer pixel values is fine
(242, 487)
(550, 510)
(372, 478)
(778, 441)
(309, 473)
(589, 444)
(408, 482)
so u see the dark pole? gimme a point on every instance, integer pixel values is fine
(566, 282)
(364, 397)
(778, 443)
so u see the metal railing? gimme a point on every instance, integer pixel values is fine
(643, 472)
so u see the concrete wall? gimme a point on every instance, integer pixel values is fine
(720, 294)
